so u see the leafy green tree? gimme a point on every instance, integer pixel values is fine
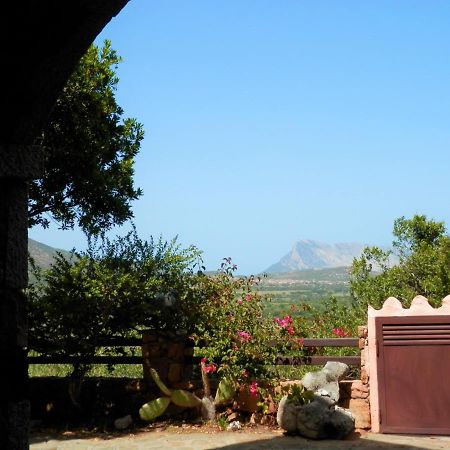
(116, 289)
(423, 249)
(89, 151)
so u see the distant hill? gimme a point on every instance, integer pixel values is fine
(43, 254)
(308, 254)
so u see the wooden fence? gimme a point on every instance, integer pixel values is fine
(318, 360)
(309, 344)
(97, 359)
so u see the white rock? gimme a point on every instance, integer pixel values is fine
(234, 426)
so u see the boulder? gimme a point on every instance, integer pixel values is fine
(326, 381)
(319, 418)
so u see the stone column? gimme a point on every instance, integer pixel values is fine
(18, 163)
(359, 398)
(355, 393)
(171, 355)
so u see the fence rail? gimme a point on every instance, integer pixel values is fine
(137, 342)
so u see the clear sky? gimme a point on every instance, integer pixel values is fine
(272, 121)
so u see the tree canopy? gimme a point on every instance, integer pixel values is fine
(423, 249)
(116, 288)
(89, 151)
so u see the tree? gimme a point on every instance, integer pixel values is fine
(117, 288)
(423, 267)
(89, 151)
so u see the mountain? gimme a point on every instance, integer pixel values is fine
(43, 254)
(308, 254)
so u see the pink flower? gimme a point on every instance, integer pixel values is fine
(208, 368)
(244, 336)
(248, 297)
(341, 332)
(253, 388)
(300, 341)
(284, 322)
(239, 301)
(291, 330)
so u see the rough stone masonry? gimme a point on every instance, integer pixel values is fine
(41, 44)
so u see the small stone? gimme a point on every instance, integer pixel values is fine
(359, 390)
(362, 331)
(364, 376)
(323, 393)
(360, 409)
(234, 426)
(363, 358)
(123, 422)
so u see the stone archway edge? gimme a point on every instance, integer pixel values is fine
(393, 308)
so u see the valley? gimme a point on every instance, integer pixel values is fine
(308, 287)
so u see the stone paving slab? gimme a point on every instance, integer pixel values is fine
(241, 440)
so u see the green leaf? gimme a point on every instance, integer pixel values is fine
(185, 399)
(225, 391)
(154, 409)
(164, 389)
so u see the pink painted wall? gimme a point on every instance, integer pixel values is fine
(392, 308)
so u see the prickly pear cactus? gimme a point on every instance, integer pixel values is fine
(154, 409)
(225, 391)
(151, 410)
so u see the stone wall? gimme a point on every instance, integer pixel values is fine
(354, 394)
(171, 355)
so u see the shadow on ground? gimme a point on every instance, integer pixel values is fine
(297, 443)
(201, 440)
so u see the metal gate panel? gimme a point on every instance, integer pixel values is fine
(413, 374)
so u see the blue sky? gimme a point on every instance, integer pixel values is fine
(272, 121)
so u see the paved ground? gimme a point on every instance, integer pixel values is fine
(227, 440)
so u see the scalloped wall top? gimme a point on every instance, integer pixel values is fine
(419, 307)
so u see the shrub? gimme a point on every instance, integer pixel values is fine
(231, 330)
(116, 288)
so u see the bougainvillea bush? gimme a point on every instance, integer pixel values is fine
(235, 339)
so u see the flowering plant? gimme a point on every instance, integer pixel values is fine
(232, 332)
(208, 368)
(253, 388)
(341, 332)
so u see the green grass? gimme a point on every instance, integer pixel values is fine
(97, 370)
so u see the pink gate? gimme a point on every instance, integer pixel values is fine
(409, 363)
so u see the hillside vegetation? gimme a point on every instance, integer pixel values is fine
(42, 254)
(310, 287)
